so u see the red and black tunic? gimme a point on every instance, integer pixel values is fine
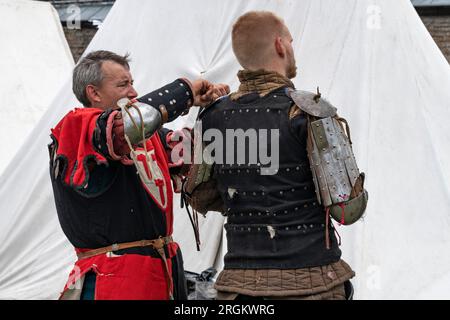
(101, 201)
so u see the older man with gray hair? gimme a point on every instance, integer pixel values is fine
(110, 169)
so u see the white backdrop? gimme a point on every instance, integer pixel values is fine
(373, 59)
(35, 61)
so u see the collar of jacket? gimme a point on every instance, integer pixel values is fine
(260, 81)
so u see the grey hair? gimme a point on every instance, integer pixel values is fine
(89, 72)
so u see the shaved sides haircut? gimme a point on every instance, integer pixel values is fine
(253, 35)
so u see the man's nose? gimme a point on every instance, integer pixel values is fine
(132, 93)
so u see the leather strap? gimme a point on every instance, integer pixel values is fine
(155, 243)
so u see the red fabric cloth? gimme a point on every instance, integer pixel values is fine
(74, 135)
(126, 277)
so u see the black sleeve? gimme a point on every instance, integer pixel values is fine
(99, 138)
(176, 98)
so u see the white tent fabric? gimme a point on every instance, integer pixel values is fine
(373, 59)
(35, 61)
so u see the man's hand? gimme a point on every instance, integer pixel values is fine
(206, 92)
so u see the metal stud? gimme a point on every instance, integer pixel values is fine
(149, 99)
(167, 91)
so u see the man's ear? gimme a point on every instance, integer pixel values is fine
(92, 93)
(279, 47)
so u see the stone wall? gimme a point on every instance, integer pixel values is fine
(79, 39)
(439, 28)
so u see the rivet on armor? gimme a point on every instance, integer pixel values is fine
(259, 213)
(268, 110)
(298, 168)
(296, 209)
(288, 169)
(160, 93)
(249, 229)
(187, 93)
(149, 99)
(312, 226)
(254, 193)
(281, 192)
(299, 227)
(247, 110)
(250, 214)
(287, 228)
(256, 110)
(167, 91)
(174, 101)
(275, 96)
(171, 102)
(182, 85)
(285, 211)
(293, 190)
